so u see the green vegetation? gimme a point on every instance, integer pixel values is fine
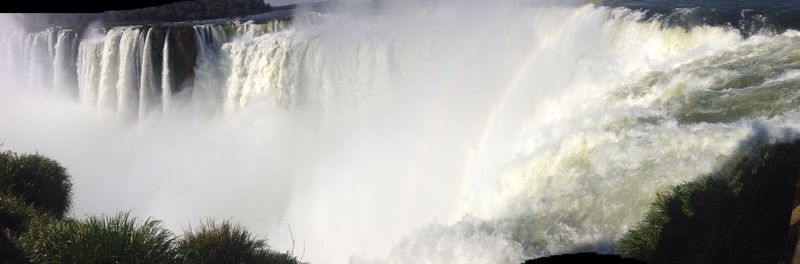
(738, 215)
(37, 180)
(15, 218)
(226, 243)
(15, 214)
(35, 194)
(118, 239)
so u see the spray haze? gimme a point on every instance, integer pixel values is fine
(399, 132)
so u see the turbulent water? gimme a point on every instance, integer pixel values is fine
(425, 132)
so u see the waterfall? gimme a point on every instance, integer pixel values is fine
(166, 80)
(257, 68)
(129, 72)
(40, 54)
(445, 133)
(90, 57)
(109, 70)
(15, 63)
(210, 66)
(64, 71)
(148, 83)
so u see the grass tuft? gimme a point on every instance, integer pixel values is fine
(119, 239)
(16, 216)
(227, 243)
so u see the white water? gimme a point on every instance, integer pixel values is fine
(166, 80)
(128, 77)
(147, 78)
(109, 71)
(439, 133)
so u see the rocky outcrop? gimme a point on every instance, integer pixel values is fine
(176, 12)
(187, 10)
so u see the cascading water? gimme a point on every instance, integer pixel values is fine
(129, 72)
(109, 70)
(147, 78)
(166, 80)
(40, 59)
(90, 53)
(429, 133)
(205, 89)
(64, 71)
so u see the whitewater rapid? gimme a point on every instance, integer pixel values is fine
(440, 133)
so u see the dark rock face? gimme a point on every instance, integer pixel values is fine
(158, 36)
(175, 12)
(187, 10)
(584, 258)
(182, 56)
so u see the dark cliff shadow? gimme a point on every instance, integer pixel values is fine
(584, 258)
(739, 214)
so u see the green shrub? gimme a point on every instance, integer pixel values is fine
(226, 243)
(118, 239)
(15, 218)
(38, 180)
(15, 214)
(738, 215)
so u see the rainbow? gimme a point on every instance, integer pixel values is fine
(509, 89)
